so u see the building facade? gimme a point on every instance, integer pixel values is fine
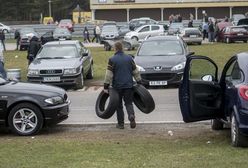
(125, 10)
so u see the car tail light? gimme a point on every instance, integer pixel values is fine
(243, 91)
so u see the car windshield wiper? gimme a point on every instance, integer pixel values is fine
(58, 57)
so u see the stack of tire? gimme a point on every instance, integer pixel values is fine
(142, 99)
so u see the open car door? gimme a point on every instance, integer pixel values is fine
(200, 93)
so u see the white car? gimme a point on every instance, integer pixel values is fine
(4, 28)
(142, 32)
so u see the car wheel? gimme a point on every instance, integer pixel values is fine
(228, 40)
(245, 41)
(107, 47)
(238, 140)
(90, 74)
(113, 102)
(80, 81)
(5, 31)
(135, 38)
(25, 119)
(21, 47)
(143, 99)
(216, 124)
(200, 43)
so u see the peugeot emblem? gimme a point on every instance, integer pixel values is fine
(157, 68)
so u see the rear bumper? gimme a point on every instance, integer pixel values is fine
(193, 40)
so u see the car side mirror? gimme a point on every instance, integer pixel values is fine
(207, 78)
(85, 54)
(190, 53)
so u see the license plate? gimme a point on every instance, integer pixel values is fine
(240, 34)
(192, 36)
(158, 83)
(51, 79)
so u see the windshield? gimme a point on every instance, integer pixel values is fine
(176, 25)
(58, 51)
(111, 29)
(61, 31)
(26, 31)
(160, 48)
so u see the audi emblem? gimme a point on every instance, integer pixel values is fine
(50, 71)
(157, 68)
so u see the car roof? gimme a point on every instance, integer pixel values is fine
(68, 42)
(169, 38)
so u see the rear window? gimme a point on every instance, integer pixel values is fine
(161, 48)
(193, 32)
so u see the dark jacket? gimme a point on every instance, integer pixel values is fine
(33, 47)
(2, 35)
(122, 66)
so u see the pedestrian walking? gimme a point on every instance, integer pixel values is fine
(119, 74)
(97, 32)
(17, 37)
(190, 24)
(205, 30)
(33, 48)
(86, 35)
(2, 39)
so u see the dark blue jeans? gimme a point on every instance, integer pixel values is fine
(127, 96)
(2, 71)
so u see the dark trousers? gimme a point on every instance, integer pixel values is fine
(127, 96)
(205, 34)
(3, 43)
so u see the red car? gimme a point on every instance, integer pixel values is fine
(67, 23)
(233, 33)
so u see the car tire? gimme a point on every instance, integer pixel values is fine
(143, 99)
(80, 81)
(5, 31)
(113, 102)
(200, 43)
(216, 124)
(237, 139)
(107, 47)
(228, 40)
(135, 38)
(90, 73)
(25, 119)
(245, 41)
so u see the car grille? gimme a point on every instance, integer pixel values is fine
(158, 76)
(51, 72)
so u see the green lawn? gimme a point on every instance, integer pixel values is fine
(122, 149)
(219, 52)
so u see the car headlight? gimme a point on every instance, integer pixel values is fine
(33, 72)
(54, 100)
(178, 67)
(70, 71)
(141, 69)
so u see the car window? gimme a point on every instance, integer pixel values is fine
(234, 75)
(161, 48)
(145, 29)
(155, 27)
(200, 68)
(55, 51)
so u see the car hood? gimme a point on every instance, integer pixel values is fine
(54, 63)
(30, 88)
(61, 34)
(164, 61)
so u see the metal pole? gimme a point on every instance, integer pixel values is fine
(50, 8)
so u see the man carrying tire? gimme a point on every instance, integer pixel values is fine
(120, 72)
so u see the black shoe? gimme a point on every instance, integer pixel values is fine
(120, 126)
(132, 122)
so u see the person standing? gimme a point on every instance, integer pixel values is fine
(120, 72)
(95, 37)
(33, 49)
(17, 37)
(205, 30)
(2, 39)
(2, 70)
(98, 33)
(86, 35)
(211, 31)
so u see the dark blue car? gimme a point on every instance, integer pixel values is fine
(202, 96)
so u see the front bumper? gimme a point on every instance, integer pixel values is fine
(166, 78)
(56, 114)
(64, 80)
